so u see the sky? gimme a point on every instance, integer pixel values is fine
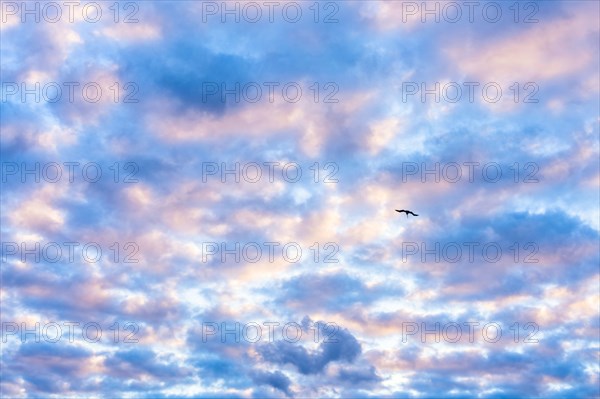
(198, 199)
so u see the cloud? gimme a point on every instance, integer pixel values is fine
(277, 380)
(333, 291)
(543, 207)
(345, 348)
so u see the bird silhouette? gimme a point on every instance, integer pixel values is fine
(407, 212)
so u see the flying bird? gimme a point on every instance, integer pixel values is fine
(407, 212)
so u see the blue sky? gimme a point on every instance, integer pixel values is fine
(290, 274)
